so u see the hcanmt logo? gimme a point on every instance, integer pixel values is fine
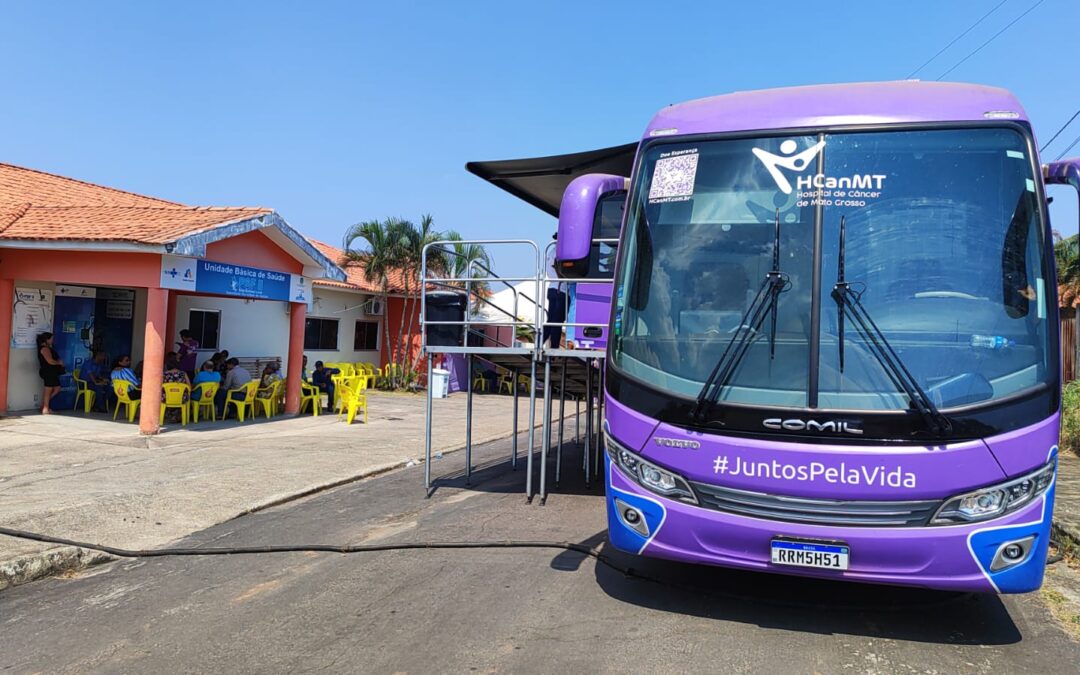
(831, 426)
(788, 160)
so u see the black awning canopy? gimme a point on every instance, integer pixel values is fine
(541, 181)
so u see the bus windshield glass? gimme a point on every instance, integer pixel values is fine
(943, 246)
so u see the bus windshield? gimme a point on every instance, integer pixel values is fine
(943, 247)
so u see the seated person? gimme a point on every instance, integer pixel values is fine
(235, 377)
(122, 372)
(321, 379)
(96, 374)
(223, 359)
(173, 374)
(208, 373)
(270, 375)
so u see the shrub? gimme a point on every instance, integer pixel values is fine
(1070, 417)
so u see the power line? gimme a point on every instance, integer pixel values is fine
(1058, 132)
(994, 37)
(1063, 152)
(955, 40)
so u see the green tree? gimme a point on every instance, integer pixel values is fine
(384, 253)
(418, 238)
(467, 261)
(1067, 255)
(396, 245)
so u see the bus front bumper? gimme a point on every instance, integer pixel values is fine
(954, 558)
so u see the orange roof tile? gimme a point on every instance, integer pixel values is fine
(20, 185)
(35, 205)
(355, 272)
(137, 224)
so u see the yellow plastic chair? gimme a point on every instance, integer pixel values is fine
(175, 395)
(479, 383)
(353, 399)
(525, 381)
(506, 381)
(243, 406)
(267, 398)
(373, 374)
(347, 369)
(208, 391)
(391, 372)
(339, 381)
(309, 393)
(82, 388)
(123, 388)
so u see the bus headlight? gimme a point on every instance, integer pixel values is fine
(647, 474)
(995, 500)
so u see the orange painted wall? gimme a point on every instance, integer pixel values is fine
(81, 267)
(394, 309)
(253, 249)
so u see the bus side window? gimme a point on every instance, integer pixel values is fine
(606, 225)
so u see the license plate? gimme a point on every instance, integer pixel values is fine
(807, 554)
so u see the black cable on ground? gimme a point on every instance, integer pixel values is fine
(630, 573)
(314, 548)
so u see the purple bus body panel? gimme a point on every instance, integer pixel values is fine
(1024, 450)
(577, 211)
(836, 105)
(937, 470)
(592, 304)
(932, 557)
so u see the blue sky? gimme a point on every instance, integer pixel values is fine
(333, 113)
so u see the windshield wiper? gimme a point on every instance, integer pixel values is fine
(764, 305)
(849, 302)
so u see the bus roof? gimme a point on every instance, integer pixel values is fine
(905, 101)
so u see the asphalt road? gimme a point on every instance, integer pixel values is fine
(523, 610)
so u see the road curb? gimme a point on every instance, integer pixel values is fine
(50, 562)
(1067, 535)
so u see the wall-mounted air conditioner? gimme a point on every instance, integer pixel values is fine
(374, 307)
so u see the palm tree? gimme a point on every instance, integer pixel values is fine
(417, 238)
(383, 255)
(1067, 255)
(397, 245)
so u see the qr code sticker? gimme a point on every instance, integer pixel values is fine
(674, 177)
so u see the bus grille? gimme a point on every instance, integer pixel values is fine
(816, 511)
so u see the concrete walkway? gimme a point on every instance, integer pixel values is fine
(90, 479)
(1067, 505)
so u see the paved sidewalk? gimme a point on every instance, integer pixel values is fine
(94, 480)
(1067, 504)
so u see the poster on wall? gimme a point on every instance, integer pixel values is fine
(119, 309)
(32, 314)
(178, 273)
(300, 290)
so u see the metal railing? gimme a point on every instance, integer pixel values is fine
(539, 352)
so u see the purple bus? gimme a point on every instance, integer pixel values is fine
(593, 205)
(833, 344)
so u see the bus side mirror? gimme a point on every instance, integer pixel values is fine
(1064, 172)
(577, 215)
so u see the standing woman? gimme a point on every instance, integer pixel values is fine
(50, 368)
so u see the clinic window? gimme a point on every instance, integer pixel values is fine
(366, 338)
(321, 334)
(205, 326)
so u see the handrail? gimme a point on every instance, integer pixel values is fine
(470, 294)
(542, 278)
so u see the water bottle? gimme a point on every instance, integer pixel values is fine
(994, 342)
